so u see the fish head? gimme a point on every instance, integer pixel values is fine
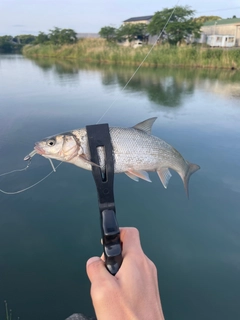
(63, 147)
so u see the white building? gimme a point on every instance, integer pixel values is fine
(221, 33)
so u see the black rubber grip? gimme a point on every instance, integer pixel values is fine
(99, 136)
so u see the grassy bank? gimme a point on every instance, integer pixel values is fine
(98, 50)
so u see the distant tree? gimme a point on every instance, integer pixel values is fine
(62, 36)
(132, 31)
(24, 39)
(68, 36)
(203, 19)
(7, 44)
(124, 32)
(234, 17)
(108, 33)
(41, 38)
(180, 26)
(15, 44)
(55, 35)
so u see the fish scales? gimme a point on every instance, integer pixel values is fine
(137, 150)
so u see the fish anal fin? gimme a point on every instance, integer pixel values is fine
(139, 173)
(164, 175)
(131, 176)
(145, 126)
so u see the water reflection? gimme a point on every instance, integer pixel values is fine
(164, 86)
(57, 66)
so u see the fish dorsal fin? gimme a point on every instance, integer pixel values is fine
(145, 126)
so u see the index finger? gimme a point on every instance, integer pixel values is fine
(130, 240)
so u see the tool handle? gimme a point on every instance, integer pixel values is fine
(99, 136)
(111, 241)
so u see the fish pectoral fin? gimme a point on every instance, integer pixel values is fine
(139, 174)
(131, 176)
(145, 126)
(164, 175)
(83, 157)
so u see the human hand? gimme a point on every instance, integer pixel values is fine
(133, 292)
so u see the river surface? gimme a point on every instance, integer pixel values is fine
(48, 232)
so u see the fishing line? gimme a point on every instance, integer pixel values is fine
(29, 159)
(160, 34)
(17, 170)
(33, 185)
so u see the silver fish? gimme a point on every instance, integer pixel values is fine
(135, 151)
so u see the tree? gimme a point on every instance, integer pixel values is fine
(6, 44)
(203, 19)
(10, 44)
(68, 36)
(54, 35)
(41, 38)
(180, 26)
(132, 31)
(24, 39)
(108, 33)
(62, 36)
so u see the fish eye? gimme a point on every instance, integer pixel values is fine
(51, 142)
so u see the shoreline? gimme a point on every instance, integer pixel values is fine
(99, 51)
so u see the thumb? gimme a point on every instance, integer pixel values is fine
(96, 270)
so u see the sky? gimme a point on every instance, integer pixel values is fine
(89, 16)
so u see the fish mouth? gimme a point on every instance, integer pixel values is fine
(38, 149)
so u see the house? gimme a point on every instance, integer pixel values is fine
(225, 41)
(222, 33)
(144, 19)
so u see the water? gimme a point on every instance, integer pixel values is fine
(48, 233)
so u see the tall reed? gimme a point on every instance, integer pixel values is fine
(100, 51)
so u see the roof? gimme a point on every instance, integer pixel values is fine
(222, 21)
(138, 18)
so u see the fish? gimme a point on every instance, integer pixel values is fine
(135, 152)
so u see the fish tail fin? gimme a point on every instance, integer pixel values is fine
(191, 169)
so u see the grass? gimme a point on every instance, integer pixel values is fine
(99, 51)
